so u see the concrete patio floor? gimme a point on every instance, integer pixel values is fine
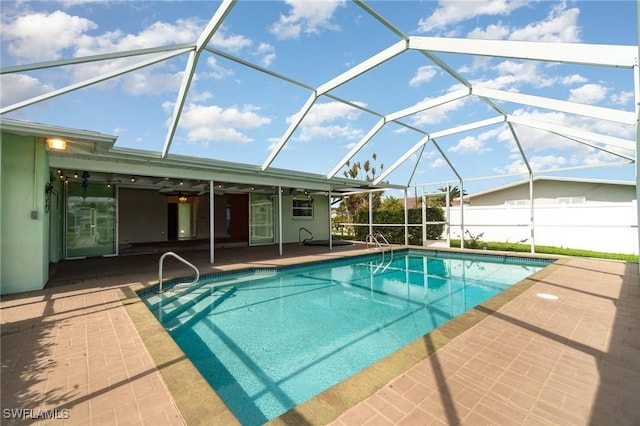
(80, 349)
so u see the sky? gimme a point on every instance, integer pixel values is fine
(238, 113)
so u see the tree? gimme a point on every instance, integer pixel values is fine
(454, 193)
(366, 172)
(391, 203)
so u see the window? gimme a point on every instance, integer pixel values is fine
(571, 200)
(303, 209)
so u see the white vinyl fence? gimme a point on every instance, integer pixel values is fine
(610, 227)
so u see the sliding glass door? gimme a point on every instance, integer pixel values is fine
(90, 220)
(261, 219)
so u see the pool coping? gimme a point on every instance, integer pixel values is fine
(202, 405)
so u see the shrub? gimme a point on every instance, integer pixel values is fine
(395, 234)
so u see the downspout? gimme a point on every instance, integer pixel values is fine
(212, 215)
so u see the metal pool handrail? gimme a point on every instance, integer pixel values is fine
(161, 262)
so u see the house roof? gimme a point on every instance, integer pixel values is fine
(409, 143)
(550, 178)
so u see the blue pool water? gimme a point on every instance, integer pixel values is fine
(268, 340)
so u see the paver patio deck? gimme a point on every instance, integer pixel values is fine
(531, 360)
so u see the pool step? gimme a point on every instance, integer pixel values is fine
(195, 312)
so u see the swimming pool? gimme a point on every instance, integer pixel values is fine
(268, 339)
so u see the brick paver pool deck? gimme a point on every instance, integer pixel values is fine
(85, 350)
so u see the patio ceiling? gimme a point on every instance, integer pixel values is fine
(500, 107)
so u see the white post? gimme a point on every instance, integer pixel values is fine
(212, 216)
(636, 74)
(423, 209)
(370, 213)
(280, 220)
(461, 213)
(448, 214)
(330, 223)
(532, 209)
(406, 218)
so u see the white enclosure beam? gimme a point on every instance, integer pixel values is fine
(94, 58)
(431, 103)
(519, 145)
(364, 66)
(468, 126)
(577, 53)
(401, 160)
(375, 129)
(415, 166)
(91, 81)
(215, 22)
(618, 116)
(576, 133)
(292, 128)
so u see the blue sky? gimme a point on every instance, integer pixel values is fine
(236, 113)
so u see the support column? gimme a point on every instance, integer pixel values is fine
(212, 221)
(406, 218)
(370, 213)
(532, 210)
(280, 220)
(461, 213)
(330, 223)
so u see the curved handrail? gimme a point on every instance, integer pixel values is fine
(161, 262)
(304, 229)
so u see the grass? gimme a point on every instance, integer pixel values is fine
(526, 248)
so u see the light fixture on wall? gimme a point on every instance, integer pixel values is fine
(57, 144)
(182, 199)
(133, 178)
(75, 175)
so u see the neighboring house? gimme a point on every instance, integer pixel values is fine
(83, 197)
(573, 213)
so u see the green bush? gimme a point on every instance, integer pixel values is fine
(395, 234)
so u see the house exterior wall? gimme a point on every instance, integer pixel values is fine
(24, 241)
(318, 225)
(142, 216)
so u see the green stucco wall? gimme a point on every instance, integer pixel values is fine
(24, 241)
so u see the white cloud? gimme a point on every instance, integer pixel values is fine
(232, 43)
(145, 82)
(537, 163)
(588, 93)
(319, 122)
(307, 17)
(215, 124)
(622, 98)
(20, 87)
(218, 72)
(476, 144)
(451, 12)
(266, 53)
(561, 25)
(573, 79)
(438, 114)
(492, 32)
(438, 162)
(40, 36)
(423, 75)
